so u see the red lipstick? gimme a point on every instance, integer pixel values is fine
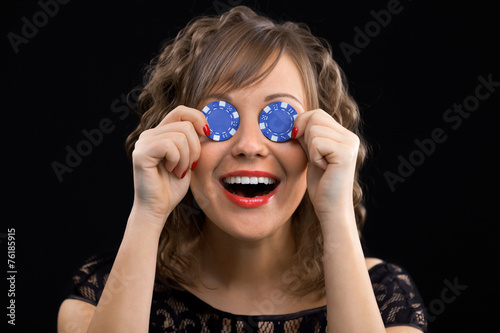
(247, 202)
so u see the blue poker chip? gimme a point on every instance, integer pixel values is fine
(223, 120)
(276, 121)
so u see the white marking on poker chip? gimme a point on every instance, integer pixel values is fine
(267, 117)
(221, 111)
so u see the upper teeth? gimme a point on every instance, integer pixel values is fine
(249, 180)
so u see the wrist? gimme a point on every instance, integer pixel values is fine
(338, 222)
(145, 220)
(340, 209)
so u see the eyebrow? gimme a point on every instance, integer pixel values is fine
(226, 98)
(274, 96)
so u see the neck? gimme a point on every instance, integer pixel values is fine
(237, 264)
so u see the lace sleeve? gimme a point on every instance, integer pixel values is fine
(88, 282)
(397, 296)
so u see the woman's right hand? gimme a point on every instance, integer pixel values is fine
(163, 157)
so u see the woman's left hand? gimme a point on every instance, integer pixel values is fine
(332, 152)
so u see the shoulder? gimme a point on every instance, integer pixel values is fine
(83, 293)
(89, 279)
(397, 295)
(371, 262)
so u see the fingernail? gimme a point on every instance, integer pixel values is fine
(184, 174)
(195, 163)
(206, 130)
(173, 169)
(294, 132)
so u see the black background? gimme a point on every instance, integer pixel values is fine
(440, 223)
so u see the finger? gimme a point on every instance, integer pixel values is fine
(315, 117)
(179, 161)
(319, 150)
(184, 113)
(322, 131)
(193, 141)
(323, 150)
(169, 148)
(150, 151)
(315, 123)
(324, 140)
(187, 129)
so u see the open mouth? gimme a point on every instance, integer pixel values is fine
(249, 187)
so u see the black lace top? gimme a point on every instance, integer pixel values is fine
(180, 311)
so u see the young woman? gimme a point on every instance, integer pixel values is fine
(245, 234)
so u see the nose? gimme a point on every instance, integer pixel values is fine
(249, 142)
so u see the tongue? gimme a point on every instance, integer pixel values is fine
(240, 193)
(249, 191)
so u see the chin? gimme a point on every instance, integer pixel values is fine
(250, 227)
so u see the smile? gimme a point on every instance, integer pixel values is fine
(249, 189)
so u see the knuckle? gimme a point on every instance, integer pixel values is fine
(145, 134)
(186, 126)
(137, 155)
(355, 140)
(315, 114)
(179, 108)
(352, 152)
(315, 140)
(315, 143)
(138, 146)
(195, 151)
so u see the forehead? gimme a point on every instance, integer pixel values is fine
(286, 78)
(283, 80)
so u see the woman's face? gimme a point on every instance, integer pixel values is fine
(249, 211)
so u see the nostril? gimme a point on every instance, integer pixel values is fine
(250, 145)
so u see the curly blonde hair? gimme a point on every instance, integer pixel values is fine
(233, 50)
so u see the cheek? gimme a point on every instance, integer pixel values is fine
(210, 156)
(294, 161)
(202, 179)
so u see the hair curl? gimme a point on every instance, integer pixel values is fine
(233, 50)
